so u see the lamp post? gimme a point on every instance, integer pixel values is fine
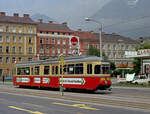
(100, 35)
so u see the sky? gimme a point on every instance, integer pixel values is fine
(71, 11)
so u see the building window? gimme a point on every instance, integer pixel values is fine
(86, 46)
(7, 28)
(30, 40)
(1, 49)
(30, 30)
(58, 50)
(7, 59)
(41, 50)
(7, 39)
(47, 41)
(47, 49)
(1, 39)
(58, 41)
(29, 59)
(1, 59)
(30, 50)
(7, 49)
(20, 49)
(20, 39)
(1, 28)
(19, 58)
(64, 50)
(13, 49)
(64, 42)
(20, 29)
(14, 29)
(41, 40)
(53, 41)
(53, 51)
(13, 59)
(14, 39)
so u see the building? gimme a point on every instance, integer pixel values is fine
(17, 41)
(87, 39)
(53, 39)
(114, 47)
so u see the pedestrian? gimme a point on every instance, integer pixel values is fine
(3, 79)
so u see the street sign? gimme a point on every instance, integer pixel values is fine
(74, 41)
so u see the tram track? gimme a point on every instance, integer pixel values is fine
(128, 101)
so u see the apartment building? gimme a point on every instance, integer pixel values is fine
(53, 39)
(115, 45)
(17, 41)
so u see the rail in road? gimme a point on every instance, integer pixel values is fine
(129, 100)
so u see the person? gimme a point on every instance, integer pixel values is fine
(3, 79)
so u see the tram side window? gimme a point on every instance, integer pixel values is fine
(53, 69)
(79, 69)
(36, 70)
(60, 69)
(97, 69)
(56, 69)
(46, 70)
(105, 69)
(65, 69)
(23, 71)
(89, 68)
(71, 69)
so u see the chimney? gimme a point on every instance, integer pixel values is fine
(64, 23)
(40, 20)
(80, 30)
(26, 15)
(92, 31)
(16, 15)
(50, 22)
(2, 14)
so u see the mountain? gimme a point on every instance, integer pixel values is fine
(126, 17)
(45, 18)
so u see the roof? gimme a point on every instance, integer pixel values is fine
(20, 20)
(53, 27)
(66, 59)
(88, 36)
(115, 38)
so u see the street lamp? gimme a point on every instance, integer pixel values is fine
(100, 35)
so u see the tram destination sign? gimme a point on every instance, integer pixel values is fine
(75, 81)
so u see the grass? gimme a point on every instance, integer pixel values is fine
(131, 85)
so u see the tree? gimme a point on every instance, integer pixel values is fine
(93, 51)
(137, 66)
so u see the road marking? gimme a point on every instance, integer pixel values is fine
(33, 105)
(25, 110)
(83, 106)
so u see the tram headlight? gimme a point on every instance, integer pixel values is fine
(102, 79)
(108, 79)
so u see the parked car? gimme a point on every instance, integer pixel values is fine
(142, 79)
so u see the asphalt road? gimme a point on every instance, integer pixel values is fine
(22, 104)
(14, 100)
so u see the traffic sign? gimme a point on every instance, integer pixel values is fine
(74, 41)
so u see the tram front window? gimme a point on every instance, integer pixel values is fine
(23, 71)
(97, 69)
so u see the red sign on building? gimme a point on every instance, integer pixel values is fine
(74, 41)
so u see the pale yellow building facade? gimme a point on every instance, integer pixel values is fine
(17, 41)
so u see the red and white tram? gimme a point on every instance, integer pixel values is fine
(82, 72)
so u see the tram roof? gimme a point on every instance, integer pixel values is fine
(66, 59)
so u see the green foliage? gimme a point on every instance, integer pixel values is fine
(137, 66)
(144, 45)
(112, 66)
(93, 51)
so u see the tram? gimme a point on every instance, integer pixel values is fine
(81, 72)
